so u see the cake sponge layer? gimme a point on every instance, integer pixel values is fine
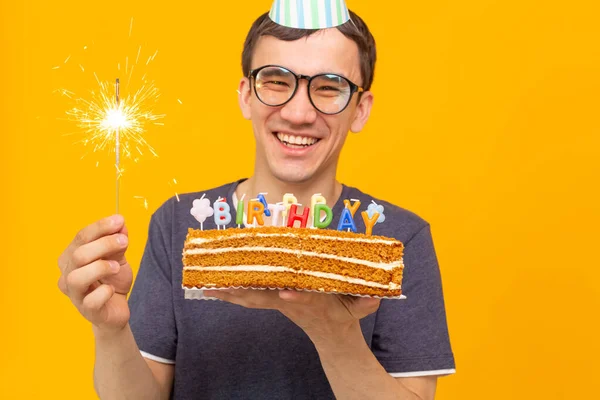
(279, 280)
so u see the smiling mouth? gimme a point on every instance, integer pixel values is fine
(295, 142)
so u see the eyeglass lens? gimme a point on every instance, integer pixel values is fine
(329, 93)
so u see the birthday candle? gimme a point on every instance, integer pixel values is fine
(288, 200)
(369, 222)
(317, 217)
(352, 207)
(222, 213)
(201, 210)
(261, 198)
(346, 221)
(314, 200)
(276, 210)
(239, 217)
(294, 216)
(256, 210)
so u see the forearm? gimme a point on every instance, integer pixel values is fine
(354, 372)
(120, 371)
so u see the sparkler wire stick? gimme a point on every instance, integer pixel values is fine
(117, 147)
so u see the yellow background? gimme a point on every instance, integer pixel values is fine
(486, 123)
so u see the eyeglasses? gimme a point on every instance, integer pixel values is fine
(328, 93)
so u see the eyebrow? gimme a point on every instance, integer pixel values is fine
(270, 72)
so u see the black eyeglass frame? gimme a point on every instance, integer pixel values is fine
(353, 87)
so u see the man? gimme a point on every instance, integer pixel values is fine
(278, 344)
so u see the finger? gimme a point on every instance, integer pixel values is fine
(360, 307)
(299, 297)
(79, 280)
(99, 249)
(103, 227)
(94, 301)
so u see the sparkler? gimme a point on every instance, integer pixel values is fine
(117, 148)
(115, 121)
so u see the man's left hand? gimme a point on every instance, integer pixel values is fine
(324, 317)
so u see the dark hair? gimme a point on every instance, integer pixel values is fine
(355, 29)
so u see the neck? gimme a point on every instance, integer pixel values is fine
(261, 183)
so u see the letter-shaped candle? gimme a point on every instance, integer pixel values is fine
(222, 213)
(294, 216)
(317, 217)
(369, 222)
(352, 207)
(239, 217)
(314, 200)
(261, 198)
(346, 221)
(288, 200)
(255, 210)
(276, 210)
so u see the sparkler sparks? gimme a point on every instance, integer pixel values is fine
(175, 183)
(116, 122)
(101, 117)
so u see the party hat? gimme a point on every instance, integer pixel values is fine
(309, 14)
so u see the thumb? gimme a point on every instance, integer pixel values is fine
(363, 306)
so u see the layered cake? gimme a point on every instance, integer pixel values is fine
(293, 258)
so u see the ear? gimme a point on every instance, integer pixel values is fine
(244, 95)
(363, 111)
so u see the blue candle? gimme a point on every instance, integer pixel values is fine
(346, 221)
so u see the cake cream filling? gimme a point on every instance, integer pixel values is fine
(385, 266)
(292, 235)
(317, 274)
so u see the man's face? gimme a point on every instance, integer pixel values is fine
(318, 137)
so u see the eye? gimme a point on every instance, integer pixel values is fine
(326, 88)
(276, 82)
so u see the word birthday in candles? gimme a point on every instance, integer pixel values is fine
(288, 213)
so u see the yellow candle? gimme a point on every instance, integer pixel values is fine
(369, 222)
(288, 200)
(352, 207)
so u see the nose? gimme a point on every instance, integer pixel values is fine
(299, 110)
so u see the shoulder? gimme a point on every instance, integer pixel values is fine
(399, 222)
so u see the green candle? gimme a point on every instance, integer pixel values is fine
(239, 217)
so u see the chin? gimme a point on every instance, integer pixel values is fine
(292, 173)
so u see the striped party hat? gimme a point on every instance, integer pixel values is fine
(309, 14)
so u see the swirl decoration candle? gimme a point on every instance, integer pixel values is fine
(201, 210)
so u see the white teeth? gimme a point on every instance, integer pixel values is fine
(296, 141)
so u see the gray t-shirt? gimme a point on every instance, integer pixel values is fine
(224, 351)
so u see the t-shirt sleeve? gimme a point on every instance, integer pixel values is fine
(152, 318)
(410, 337)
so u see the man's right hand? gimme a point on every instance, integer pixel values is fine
(95, 274)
